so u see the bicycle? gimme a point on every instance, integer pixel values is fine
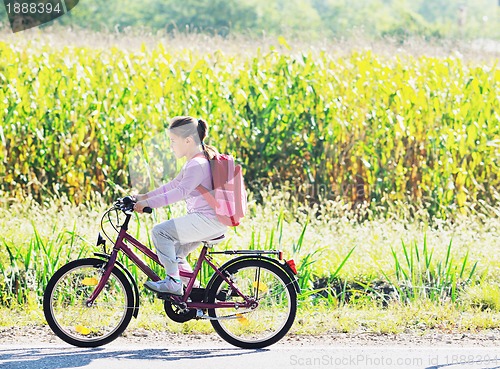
(251, 300)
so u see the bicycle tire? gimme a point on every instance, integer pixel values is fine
(275, 314)
(67, 314)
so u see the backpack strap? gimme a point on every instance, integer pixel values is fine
(207, 196)
(202, 189)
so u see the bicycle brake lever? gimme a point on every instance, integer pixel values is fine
(128, 200)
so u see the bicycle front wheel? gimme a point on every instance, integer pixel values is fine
(276, 299)
(66, 312)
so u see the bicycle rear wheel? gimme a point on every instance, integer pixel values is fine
(64, 303)
(264, 325)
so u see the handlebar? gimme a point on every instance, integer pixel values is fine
(127, 204)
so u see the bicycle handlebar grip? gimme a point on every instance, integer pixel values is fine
(147, 209)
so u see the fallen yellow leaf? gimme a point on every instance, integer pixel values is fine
(242, 319)
(260, 286)
(90, 281)
(82, 330)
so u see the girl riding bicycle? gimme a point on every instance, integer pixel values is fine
(174, 239)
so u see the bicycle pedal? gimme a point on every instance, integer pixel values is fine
(167, 296)
(201, 315)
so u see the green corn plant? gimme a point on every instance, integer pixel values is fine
(347, 126)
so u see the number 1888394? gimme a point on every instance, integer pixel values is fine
(33, 8)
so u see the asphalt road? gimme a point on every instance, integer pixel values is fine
(205, 356)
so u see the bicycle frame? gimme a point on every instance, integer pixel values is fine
(120, 245)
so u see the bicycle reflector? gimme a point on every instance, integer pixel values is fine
(292, 266)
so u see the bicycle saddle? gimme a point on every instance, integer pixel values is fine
(214, 241)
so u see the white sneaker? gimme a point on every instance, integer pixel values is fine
(168, 285)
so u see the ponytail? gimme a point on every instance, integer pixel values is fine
(208, 150)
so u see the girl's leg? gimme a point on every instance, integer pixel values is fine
(184, 266)
(180, 236)
(164, 238)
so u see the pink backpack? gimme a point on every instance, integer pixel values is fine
(228, 197)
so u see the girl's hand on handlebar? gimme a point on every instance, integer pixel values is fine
(140, 205)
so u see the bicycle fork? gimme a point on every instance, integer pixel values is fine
(110, 264)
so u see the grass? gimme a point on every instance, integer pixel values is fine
(345, 264)
(418, 275)
(417, 318)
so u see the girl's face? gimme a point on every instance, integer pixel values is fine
(179, 145)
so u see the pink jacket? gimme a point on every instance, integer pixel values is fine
(196, 171)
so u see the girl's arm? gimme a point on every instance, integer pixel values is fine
(172, 192)
(160, 190)
(166, 187)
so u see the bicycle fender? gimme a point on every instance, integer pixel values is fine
(131, 279)
(284, 267)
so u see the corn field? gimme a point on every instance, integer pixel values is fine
(362, 127)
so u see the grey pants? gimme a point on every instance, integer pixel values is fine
(174, 239)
